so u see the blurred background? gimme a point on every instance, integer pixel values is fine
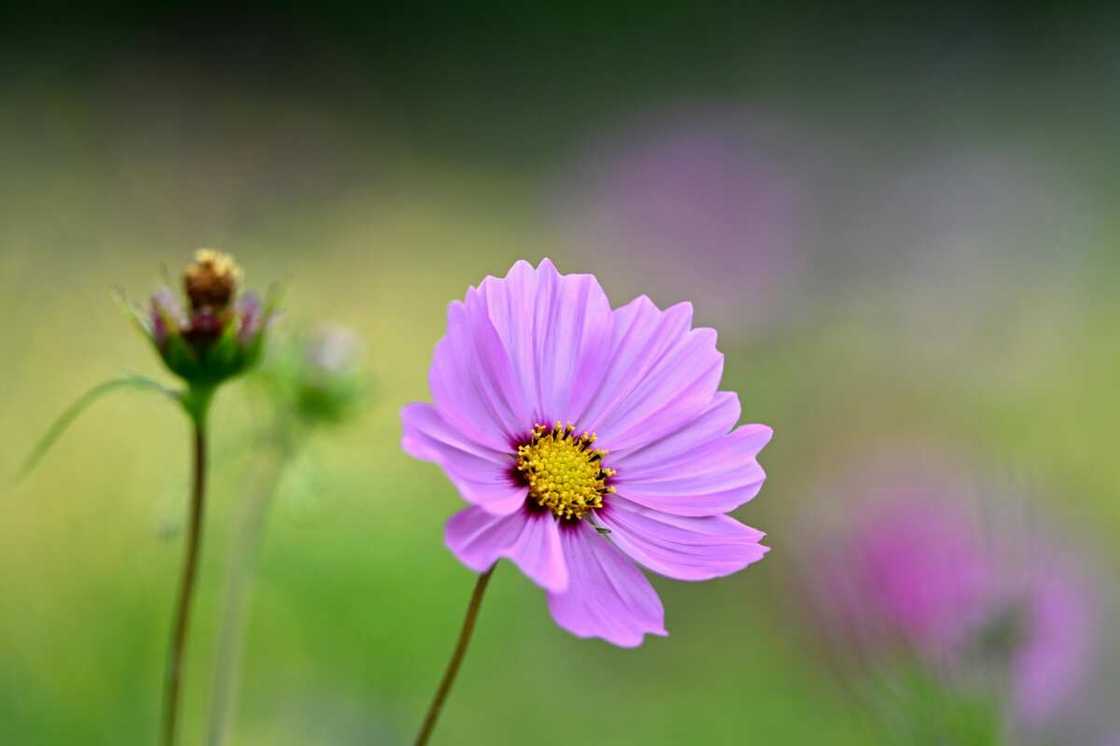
(902, 223)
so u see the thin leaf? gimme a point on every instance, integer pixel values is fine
(58, 427)
(134, 314)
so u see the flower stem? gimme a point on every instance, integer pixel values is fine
(456, 659)
(186, 584)
(276, 453)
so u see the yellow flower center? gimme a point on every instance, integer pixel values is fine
(565, 474)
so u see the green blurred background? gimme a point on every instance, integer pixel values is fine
(939, 276)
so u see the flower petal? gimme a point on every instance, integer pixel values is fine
(531, 539)
(480, 473)
(713, 478)
(472, 380)
(680, 547)
(643, 334)
(557, 331)
(661, 376)
(715, 421)
(608, 596)
(423, 426)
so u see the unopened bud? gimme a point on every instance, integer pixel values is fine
(219, 335)
(317, 376)
(211, 280)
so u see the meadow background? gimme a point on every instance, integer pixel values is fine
(903, 224)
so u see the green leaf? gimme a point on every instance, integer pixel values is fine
(920, 708)
(134, 314)
(58, 427)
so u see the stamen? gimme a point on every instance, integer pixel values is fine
(563, 471)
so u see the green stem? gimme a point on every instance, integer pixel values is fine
(456, 659)
(196, 403)
(196, 400)
(245, 550)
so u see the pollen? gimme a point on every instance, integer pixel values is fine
(564, 472)
(211, 279)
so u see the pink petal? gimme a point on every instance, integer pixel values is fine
(680, 547)
(608, 596)
(423, 422)
(480, 473)
(472, 379)
(715, 421)
(715, 477)
(496, 499)
(495, 366)
(1051, 663)
(531, 539)
(557, 331)
(662, 376)
(643, 334)
(512, 307)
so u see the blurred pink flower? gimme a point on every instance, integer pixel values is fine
(916, 571)
(704, 199)
(919, 572)
(533, 365)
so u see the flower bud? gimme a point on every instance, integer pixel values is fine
(219, 335)
(316, 376)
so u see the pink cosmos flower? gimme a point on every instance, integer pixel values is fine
(586, 440)
(709, 181)
(923, 572)
(914, 571)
